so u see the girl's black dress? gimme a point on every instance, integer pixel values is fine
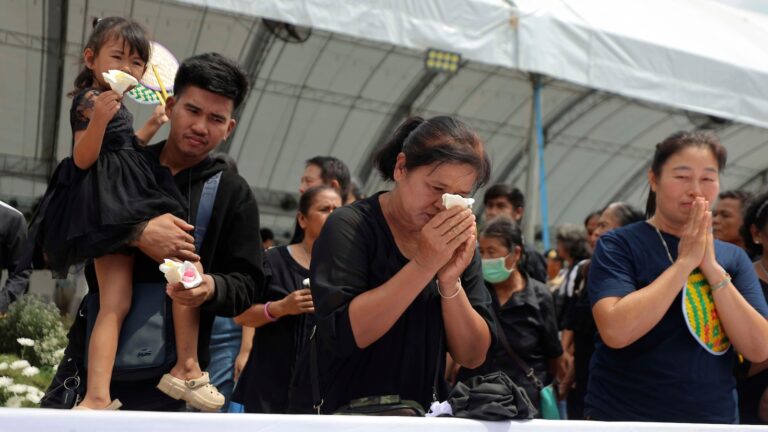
(93, 212)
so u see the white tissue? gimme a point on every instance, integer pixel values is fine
(185, 272)
(119, 81)
(451, 200)
(440, 409)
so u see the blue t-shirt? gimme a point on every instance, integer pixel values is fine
(665, 375)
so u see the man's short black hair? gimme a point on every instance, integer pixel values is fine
(212, 72)
(331, 169)
(266, 234)
(512, 194)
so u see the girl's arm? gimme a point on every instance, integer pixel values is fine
(246, 343)
(88, 141)
(295, 303)
(153, 124)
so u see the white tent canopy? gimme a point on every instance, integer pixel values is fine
(618, 77)
(696, 55)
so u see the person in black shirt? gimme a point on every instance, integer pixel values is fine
(501, 199)
(284, 320)
(524, 308)
(753, 383)
(396, 279)
(13, 234)
(580, 331)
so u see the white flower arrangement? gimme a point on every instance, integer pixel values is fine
(17, 388)
(5, 381)
(3, 365)
(30, 371)
(34, 398)
(14, 402)
(20, 364)
(27, 342)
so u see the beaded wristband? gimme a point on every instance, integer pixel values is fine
(266, 312)
(722, 283)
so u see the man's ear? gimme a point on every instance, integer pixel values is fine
(335, 184)
(517, 213)
(169, 104)
(230, 128)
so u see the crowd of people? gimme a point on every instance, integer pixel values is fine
(658, 316)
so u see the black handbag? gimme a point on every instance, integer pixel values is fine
(146, 346)
(390, 405)
(493, 396)
(547, 394)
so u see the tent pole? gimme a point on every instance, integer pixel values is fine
(542, 170)
(532, 192)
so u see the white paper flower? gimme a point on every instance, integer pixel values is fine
(17, 388)
(170, 269)
(190, 277)
(14, 402)
(20, 364)
(34, 398)
(440, 409)
(119, 81)
(451, 200)
(5, 381)
(25, 342)
(30, 371)
(3, 366)
(185, 272)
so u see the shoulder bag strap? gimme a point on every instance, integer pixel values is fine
(314, 375)
(205, 208)
(529, 372)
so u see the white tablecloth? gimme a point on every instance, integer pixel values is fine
(45, 420)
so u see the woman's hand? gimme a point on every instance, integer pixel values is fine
(105, 106)
(451, 272)
(442, 236)
(709, 264)
(693, 242)
(295, 303)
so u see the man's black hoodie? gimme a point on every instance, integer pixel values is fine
(231, 253)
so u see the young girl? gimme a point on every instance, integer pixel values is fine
(97, 200)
